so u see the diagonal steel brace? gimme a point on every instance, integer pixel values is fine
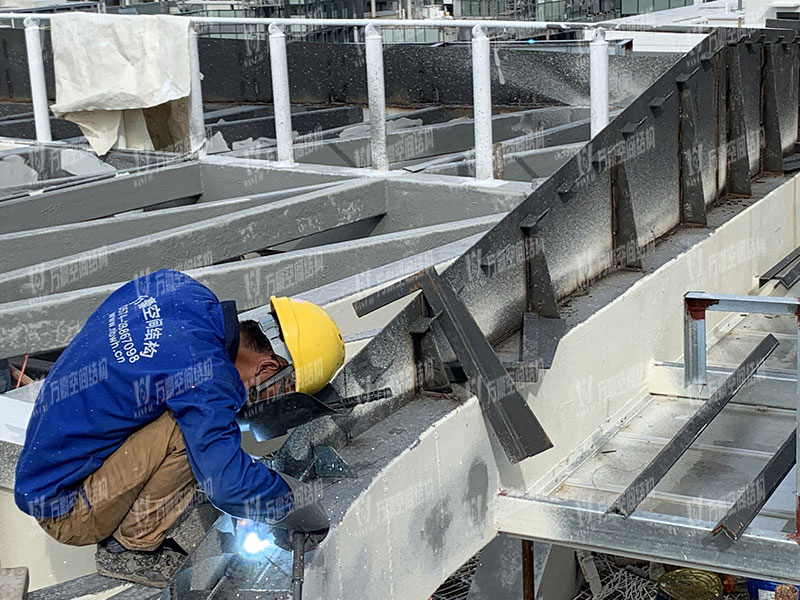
(517, 428)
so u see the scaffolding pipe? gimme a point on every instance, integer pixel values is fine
(598, 69)
(482, 103)
(41, 113)
(280, 93)
(376, 93)
(197, 128)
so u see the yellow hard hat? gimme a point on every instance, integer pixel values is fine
(313, 340)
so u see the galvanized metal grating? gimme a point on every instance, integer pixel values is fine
(456, 587)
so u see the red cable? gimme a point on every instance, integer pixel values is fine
(22, 371)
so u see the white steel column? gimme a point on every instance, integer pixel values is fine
(482, 103)
(280, 93)
(41, 113)
(598, 68)
(197, 127)
(377, 97)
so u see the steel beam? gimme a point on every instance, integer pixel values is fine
(110, 196)
(50, 322)
(27, 248)
(644, 483)
(759, 491)
(779, 266)
(648, 536)
(520, 129)
(202, 243)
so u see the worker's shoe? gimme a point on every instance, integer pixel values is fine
(153, 569)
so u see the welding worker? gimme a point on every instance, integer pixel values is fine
(140, 408)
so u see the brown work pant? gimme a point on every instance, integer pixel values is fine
(136, 494)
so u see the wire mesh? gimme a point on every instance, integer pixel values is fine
(456, 587)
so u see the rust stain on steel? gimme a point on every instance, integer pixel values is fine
(795, 537)
(696, 307)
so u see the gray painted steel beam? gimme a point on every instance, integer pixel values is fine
(445, 138)
(649, 537)
(103, 198)
(644, 483)
(50, 322)
(202, 243)
(34, 246)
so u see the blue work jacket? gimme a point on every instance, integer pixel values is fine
(160, 342)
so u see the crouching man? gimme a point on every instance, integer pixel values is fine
(140, 408)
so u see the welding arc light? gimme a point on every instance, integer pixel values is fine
(253, 544)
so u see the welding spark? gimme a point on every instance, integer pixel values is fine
(253, 544)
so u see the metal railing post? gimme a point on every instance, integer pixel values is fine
(41, 113)
(376, 92)
(694, 344)
(598, 69)
(280, 93)
(482, 103)
(197, 127)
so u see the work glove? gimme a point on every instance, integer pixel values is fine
(306, 516)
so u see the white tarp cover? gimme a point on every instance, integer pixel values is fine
(124, 80)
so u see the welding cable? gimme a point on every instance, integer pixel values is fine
(22, 372)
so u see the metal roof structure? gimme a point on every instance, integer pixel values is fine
(515, 344)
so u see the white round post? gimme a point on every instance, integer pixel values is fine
(482, 103)
(280, 93)
(376, 93)
(598, 68)
(41, 113)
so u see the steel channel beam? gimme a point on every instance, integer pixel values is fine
(313, 124)
(648, 536)
(34, 246)
(759, 491)
(779, 266)
(101, 199)
(50, 322)
(652, 474)
(568, 124)
(202, 243)
(791, 277)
